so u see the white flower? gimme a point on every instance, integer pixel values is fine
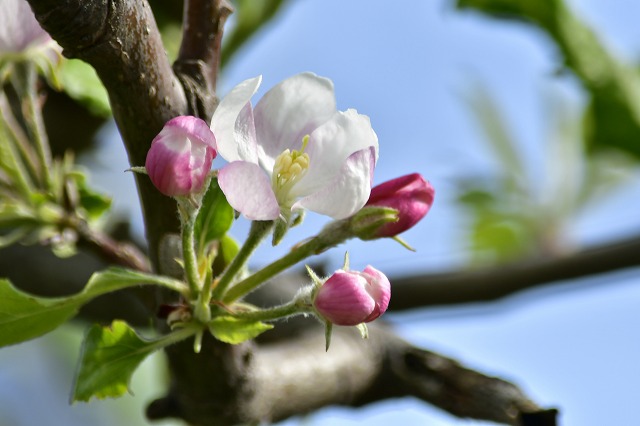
(295, 151)
(19, 29)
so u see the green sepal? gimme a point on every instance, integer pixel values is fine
(94, 204)
(227, 250)
(328, 329)
(280, 230)
(364, 331)
(214, 218)
(233, 330)
(367, 222)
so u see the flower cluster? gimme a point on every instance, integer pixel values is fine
(293, 151)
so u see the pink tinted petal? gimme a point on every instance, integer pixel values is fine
(379, 287)
(193, 127)
(19, 28)
(245, 135)
(333, 142)
(179, 172)
(411, 195)
(223, 122)
(248, 190)
(347, 192)
(343, 300)
(291, 110)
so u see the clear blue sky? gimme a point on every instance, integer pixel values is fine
(406, 64)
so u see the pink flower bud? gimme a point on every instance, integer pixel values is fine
(352, 297)
(411, 195)
(181, 155)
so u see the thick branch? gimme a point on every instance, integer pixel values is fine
(297, 376)
(496, 282)
(199, 58)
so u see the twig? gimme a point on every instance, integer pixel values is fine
(491, 283)
(199, 57)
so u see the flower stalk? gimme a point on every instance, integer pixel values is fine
(297, 306)
(333, 234)
(188, 216)
(259, 230)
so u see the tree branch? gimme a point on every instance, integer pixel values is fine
(491, 283)
(353, 372)
(199, 58)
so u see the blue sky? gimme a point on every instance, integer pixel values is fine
(407, 64)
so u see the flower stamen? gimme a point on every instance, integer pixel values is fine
(289, 168)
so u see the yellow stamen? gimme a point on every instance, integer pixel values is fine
(289, 168)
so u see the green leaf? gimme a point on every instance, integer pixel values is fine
(233, 330)
(94, 203)
(249, 16)
(227, 249)
(80, 81)
(24, 316)
(110, 356)
(215, 217)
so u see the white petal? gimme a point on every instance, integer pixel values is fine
(248, 190)
(331, 144)
(245, 135)
(291, 110)
(18, 27)
(223, 122)
(348, 191)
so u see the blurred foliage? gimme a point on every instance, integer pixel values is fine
(249, 17)
(515, 213)
(80, 81)
(613, 117)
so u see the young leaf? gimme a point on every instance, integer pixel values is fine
(215, 217)
(24, 316)
(94, 203)
(227, 250)
(233, 330)
(110, 356)
(81, 83)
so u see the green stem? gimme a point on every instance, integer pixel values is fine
(295, 307)
(19, 139)
(259, 230)
(332, 235)
(188, 216)
(170, 283)
(174, 337)
(33, 119)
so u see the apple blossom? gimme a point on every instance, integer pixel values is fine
(19, 29)
(181, 155)
(294, 151)
(352, 297)
(411, 195)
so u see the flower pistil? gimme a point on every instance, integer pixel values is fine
(289, 168)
